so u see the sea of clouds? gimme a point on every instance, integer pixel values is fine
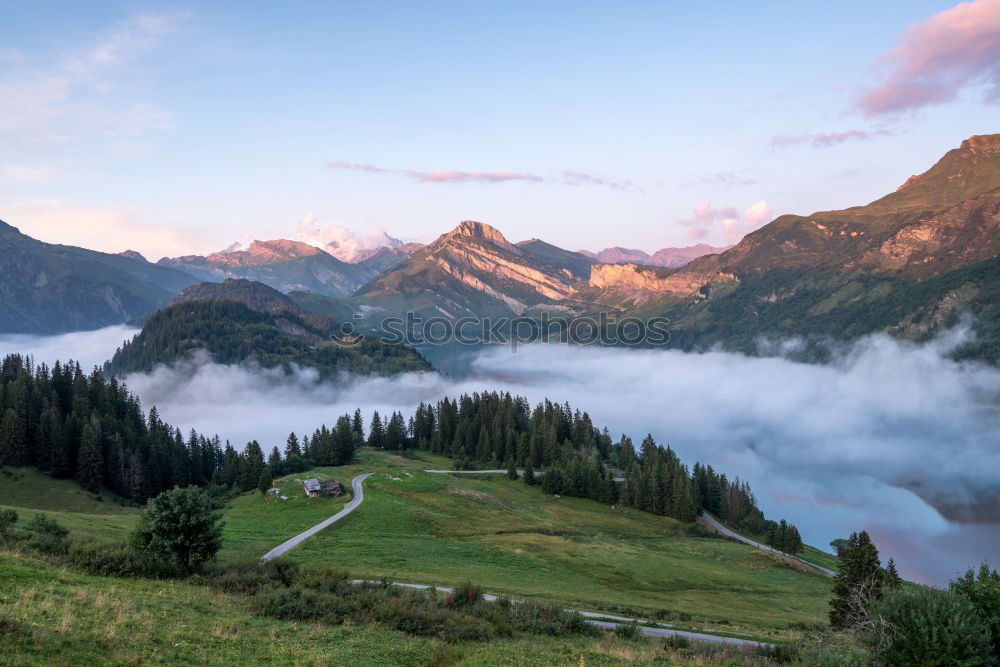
(890, 437)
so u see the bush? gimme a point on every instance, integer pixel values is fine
(466, 594)
(248, 577)
(933, 627)
(7, 520)
(119, 560)
(628, 631)
(43, 525)
(983, 591)
(832, 650)
(677, 642)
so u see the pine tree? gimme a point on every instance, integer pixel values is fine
(264, 481)
(376, 433)
(90, 463)
(859, 577)
(251, 464)
(357, 426)
(13, 448)
(892, 578)
(292, 449)
(529, 475)
(511, 470)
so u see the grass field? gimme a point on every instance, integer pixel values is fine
(513, 539)
(99, 516)
(503, 535)
(52, 615)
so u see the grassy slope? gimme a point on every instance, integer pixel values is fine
(52, 615)
(513, 539)
(30, 492)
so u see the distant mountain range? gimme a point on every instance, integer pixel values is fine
(909, 263)
(668, 257)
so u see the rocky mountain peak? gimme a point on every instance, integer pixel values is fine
(478, 230)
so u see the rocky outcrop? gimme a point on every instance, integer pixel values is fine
(639, 278)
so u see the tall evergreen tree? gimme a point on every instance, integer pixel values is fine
(13, 448)
(292, 449)
(376, 433)
(859, 578)
(89, 467)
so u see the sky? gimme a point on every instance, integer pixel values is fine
(179, 128)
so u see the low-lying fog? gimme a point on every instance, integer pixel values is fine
(891, 437)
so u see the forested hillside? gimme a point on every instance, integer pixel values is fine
(235, 323)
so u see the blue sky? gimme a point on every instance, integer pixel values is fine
(180, 128)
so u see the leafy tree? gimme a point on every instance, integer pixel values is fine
(180, 525)
(859, 575)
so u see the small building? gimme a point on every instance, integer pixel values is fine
(328, 487)
(311, 487)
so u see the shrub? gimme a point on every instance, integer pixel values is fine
(983, 591)
(628, 630)
(7, 520)
(466, 594)
(832, 650)
(247, 578)
(933, 627)
(119, 560)
(43, 525)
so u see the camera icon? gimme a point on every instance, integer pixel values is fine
(347, 334)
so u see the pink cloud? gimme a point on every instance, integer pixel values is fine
(564, 177)
(825, 139)
(727, 221)
(938, 57)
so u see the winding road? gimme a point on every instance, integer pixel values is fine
(719, 527)
(597, 619)
(359, 496)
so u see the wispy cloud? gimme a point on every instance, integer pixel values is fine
(938, 57)
(50, 105)
(565, 177)
(725, 179)
(707, 221)
(826, 139)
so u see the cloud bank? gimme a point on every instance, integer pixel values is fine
(939, 57)
(342, 242)
(727, 221)
(875, 440)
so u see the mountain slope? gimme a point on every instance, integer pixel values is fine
(284, 265)
(909, 264)
(47, 288)
(240, 321)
